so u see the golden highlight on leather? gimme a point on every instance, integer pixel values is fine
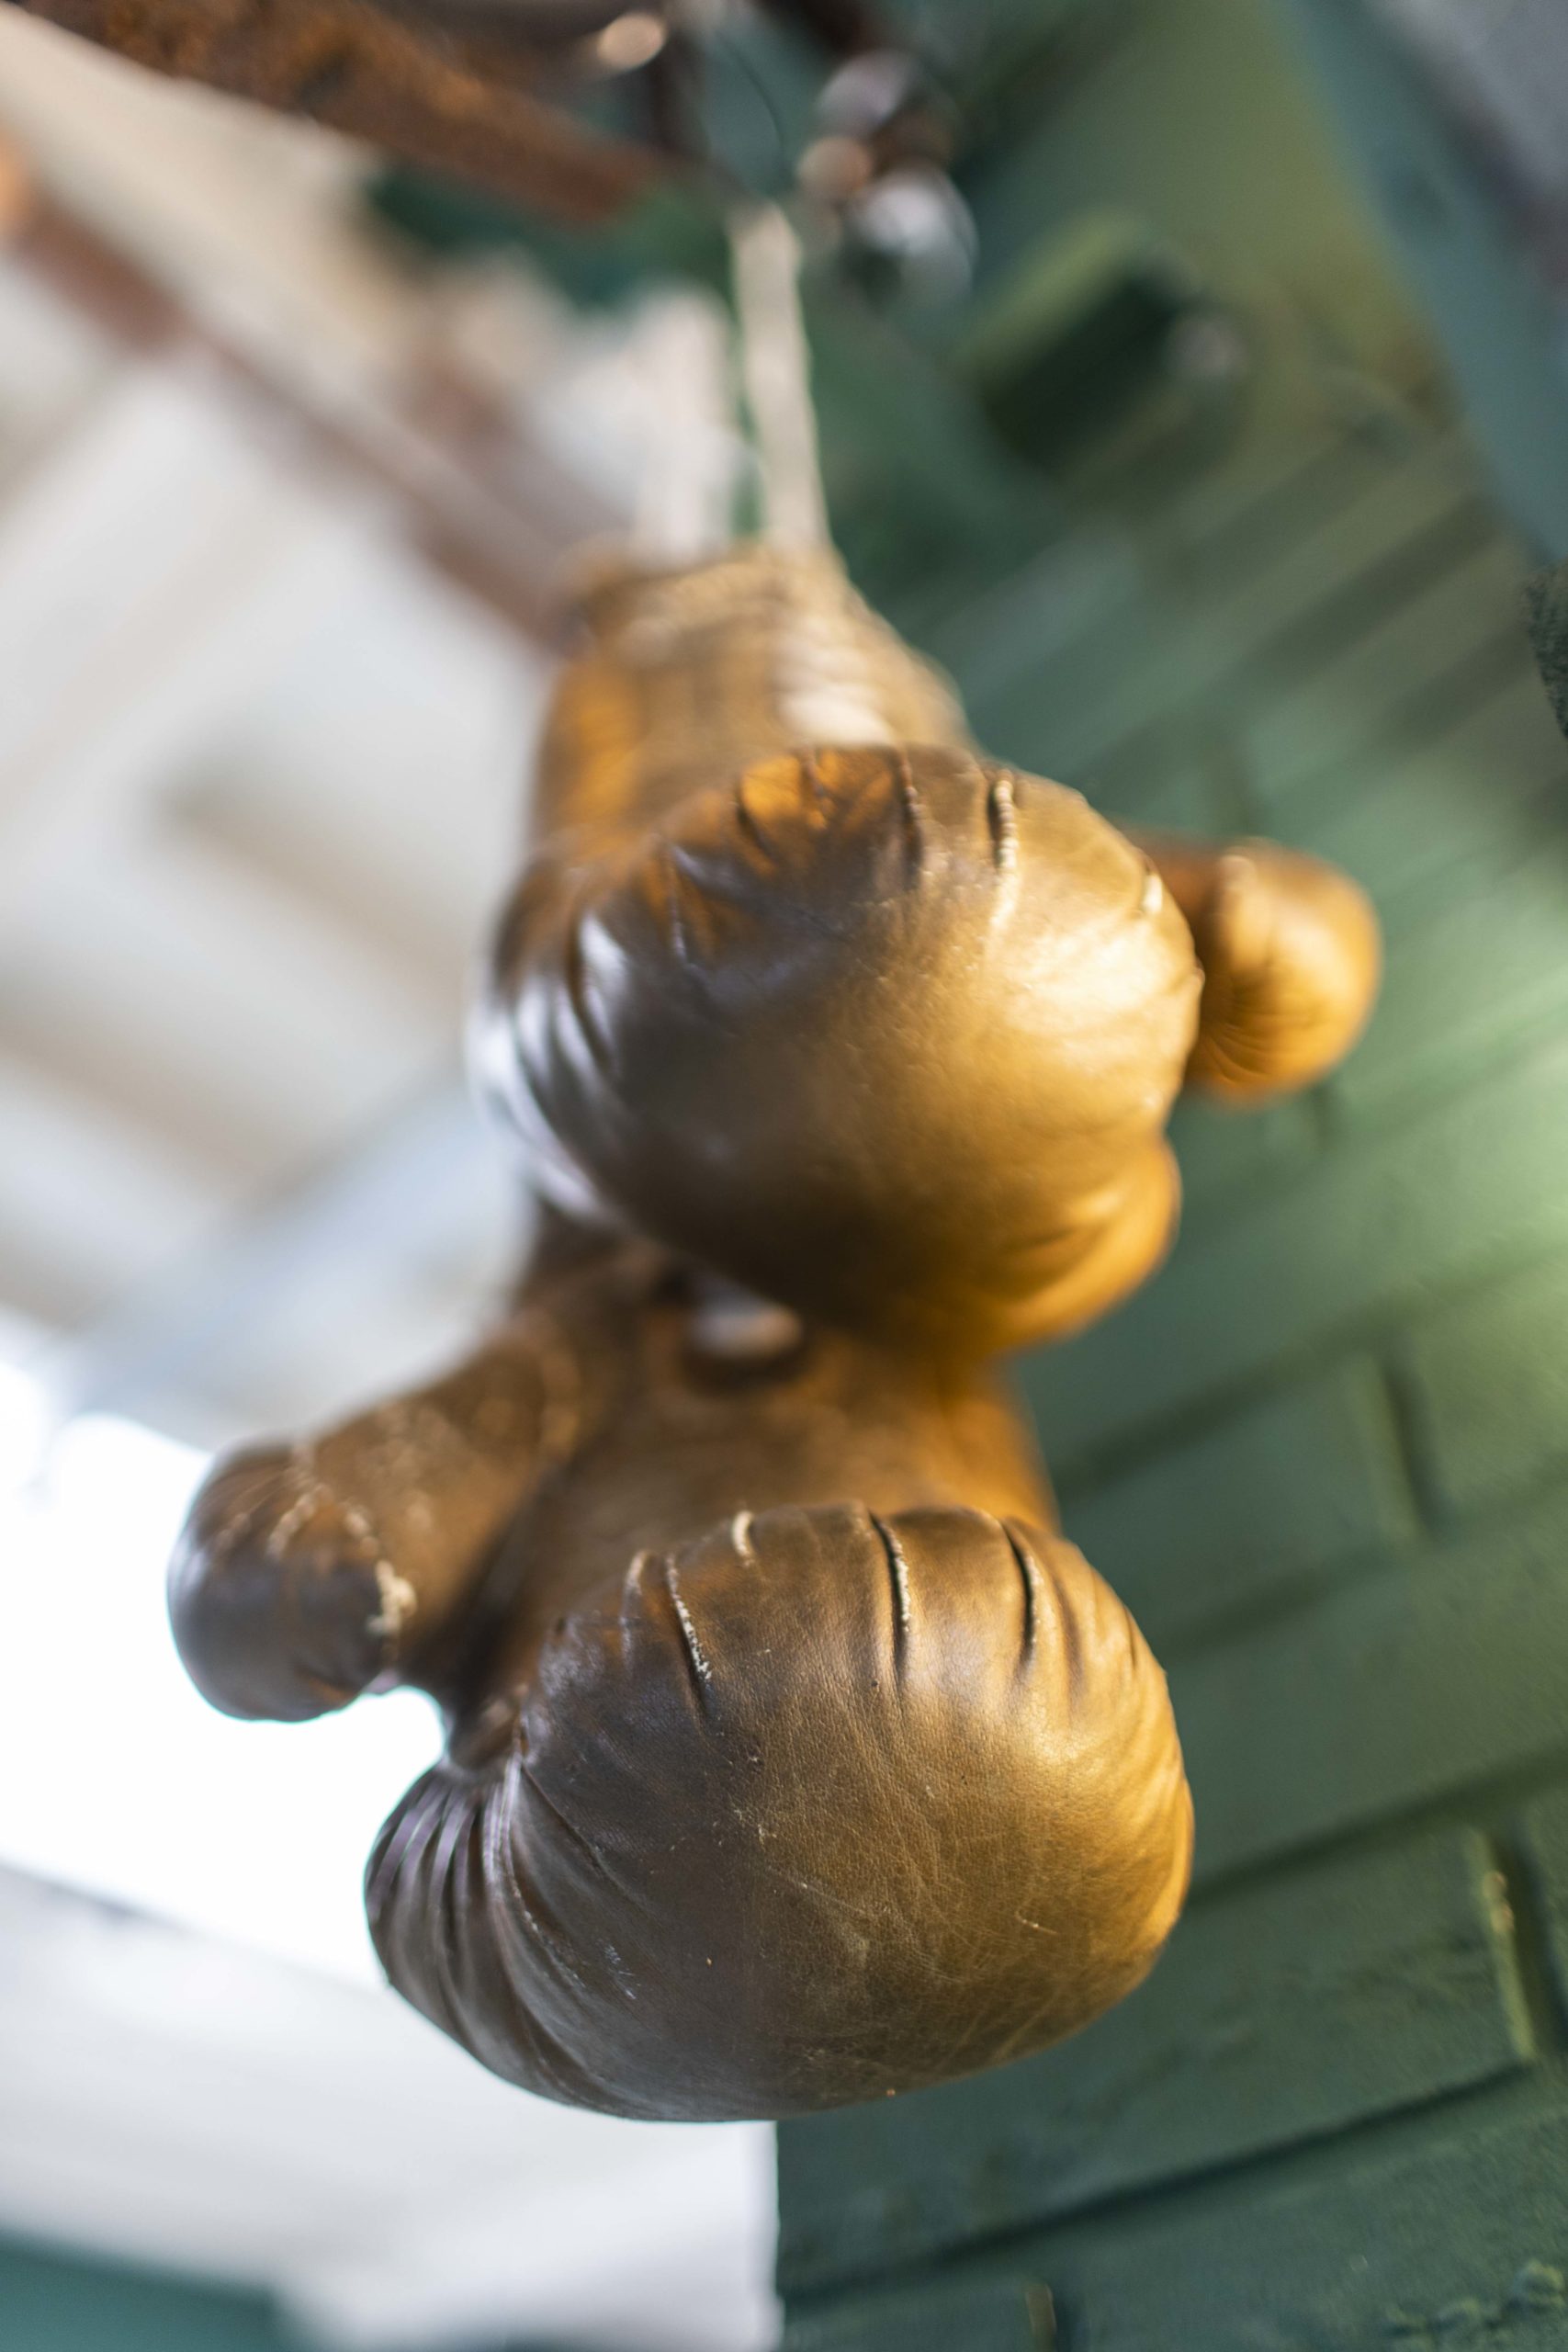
(1291, 956)
(890, 1034)
(792, 1756)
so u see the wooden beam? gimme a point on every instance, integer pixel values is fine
(419, 95)
(488, 511)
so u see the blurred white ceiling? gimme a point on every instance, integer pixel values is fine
(238, 2118)
(199, 2067)
(279, 513)
(259, 785)
(263, 760)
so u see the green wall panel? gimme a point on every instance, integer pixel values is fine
(1370, 690)
(1426, 826)
(1404, 1687)
(52, 2302)
(1346, 1992)
(1487, 970)
(1003, 2316)
(1262, 503)
(1457, 2238)
(1545, 1832)
(1491, 1374)
(1311, 605)
(1474, 1183)
(1248, 1511)
(1489, 307)
(1222, 1152)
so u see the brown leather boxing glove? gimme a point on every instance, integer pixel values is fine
(819, 1806)
(885, 1030)
(889, 1035)
(794, 1758)
(759, 1798)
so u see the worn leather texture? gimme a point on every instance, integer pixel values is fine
(890, 1034)
(881, 1028)
(1291, 956)
(793, 1757)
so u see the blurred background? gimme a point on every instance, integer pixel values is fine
(1193, 381)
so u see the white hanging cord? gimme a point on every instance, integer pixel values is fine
(692, 446)
(775, 371)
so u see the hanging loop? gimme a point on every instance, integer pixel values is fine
(775, 371)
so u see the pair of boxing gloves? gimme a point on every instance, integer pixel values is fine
(793, 1757)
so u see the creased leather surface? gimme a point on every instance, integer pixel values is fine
(1291, 955)
(816, 1808)
(792, 1757)
(685, 678)
(889, 1035)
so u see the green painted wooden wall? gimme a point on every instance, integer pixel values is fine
(1325, 1457)
(55, 2301)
